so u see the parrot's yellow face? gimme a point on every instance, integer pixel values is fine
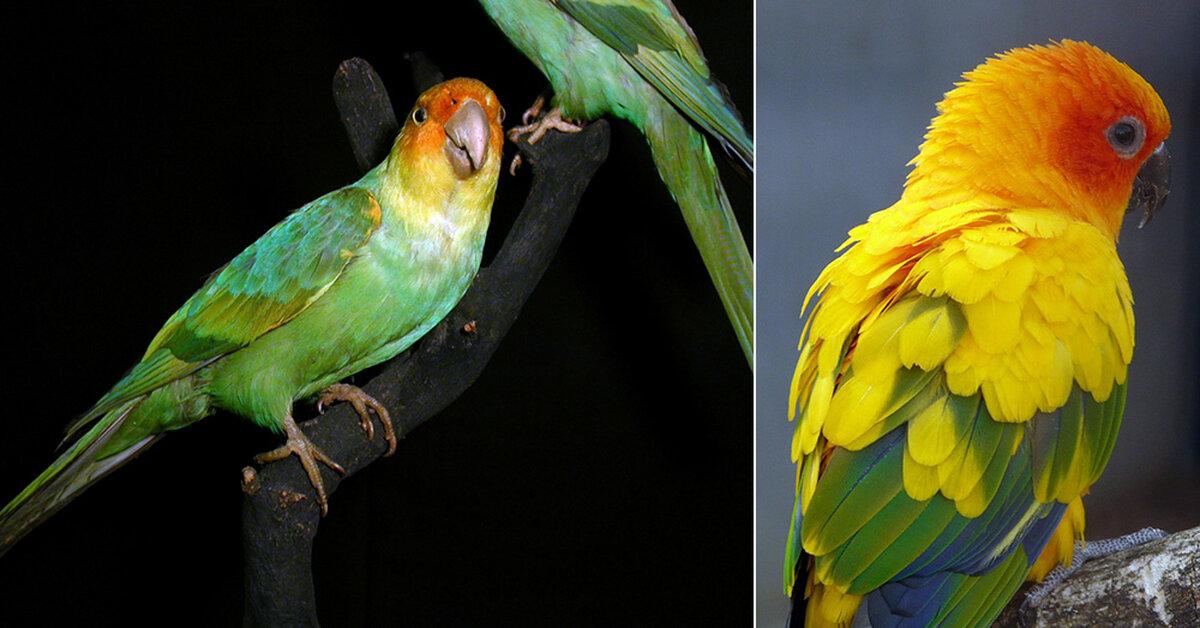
(1062, 126)
(453, 131)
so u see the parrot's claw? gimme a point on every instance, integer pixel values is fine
(309, 454)
(533, 111)
(363, 405)
(538, 129)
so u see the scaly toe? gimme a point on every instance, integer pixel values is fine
(533, 111)
(363, 405)
(309, 454)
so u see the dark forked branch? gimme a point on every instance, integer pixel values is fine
(280, 516)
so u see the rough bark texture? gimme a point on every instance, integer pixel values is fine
(280, 517)
(366, 111)
(1156, 584)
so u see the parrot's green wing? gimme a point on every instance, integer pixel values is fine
(658, 43)
(274, 279)
(928, 505)
(265, 286)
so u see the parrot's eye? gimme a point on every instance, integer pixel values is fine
(1126, 136)
(419, 115)
(502, 114)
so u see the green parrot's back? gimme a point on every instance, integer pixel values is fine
(640, 62)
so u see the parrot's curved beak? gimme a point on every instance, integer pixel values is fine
(1152, 184)
(467, 136)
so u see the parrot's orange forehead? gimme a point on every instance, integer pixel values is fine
(1036, 124)
(443, 99)
(424, 135)
(1080, 88)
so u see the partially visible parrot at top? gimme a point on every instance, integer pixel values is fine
(343, 283)
(962, 373)
(639, 61)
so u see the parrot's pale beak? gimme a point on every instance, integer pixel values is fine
(467, 136)
(1152, 184)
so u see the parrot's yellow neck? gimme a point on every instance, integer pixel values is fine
(430, 201)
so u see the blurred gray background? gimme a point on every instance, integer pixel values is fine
(845, 91)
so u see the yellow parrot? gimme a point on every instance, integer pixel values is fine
(962, 373)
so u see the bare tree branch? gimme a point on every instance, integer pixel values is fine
(279, 516)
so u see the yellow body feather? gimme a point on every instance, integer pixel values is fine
(993, 280)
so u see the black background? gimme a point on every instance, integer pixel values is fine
(599, 471)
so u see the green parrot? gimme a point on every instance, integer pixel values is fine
(345, 282)
(639, 61)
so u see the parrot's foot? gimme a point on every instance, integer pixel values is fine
(363, 405)
(309, 455)
(538, 129)
(1089, 551)
(534, 111)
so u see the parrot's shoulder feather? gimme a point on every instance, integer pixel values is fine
(274, 279)
(654, 38)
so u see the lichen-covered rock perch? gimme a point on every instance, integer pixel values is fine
(1155, 584)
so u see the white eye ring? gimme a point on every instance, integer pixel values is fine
(1126, 136)
(502, 114)
(419, 115)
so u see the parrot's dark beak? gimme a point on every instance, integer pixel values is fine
(1152, 185)
(467, 136)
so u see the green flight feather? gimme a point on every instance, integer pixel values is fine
(1114, 410)
(978, 599)
(876, 536)
(924, 522)
(866, 531)
(996, 465)
(265, 286)
(874, 543)
(868, 483)
(657, 42)
(1071, 446)
(274, 279)
(962, 471)
(686, 166)
(639, 62)
(155, 370)
(74, 470)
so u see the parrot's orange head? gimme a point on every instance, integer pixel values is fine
(1063, 126)
(453, 133)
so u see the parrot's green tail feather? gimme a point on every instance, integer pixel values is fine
(85, 461)
(978, 600)
(686, 165)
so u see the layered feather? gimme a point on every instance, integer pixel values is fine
(639, 61)
(962, 372)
